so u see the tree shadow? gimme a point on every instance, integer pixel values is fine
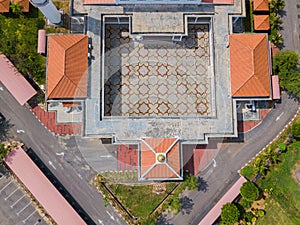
(202, 184)
(5, 126)
(187, 205)
(163, 220)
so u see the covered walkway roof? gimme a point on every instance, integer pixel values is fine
(41, 188)
(230, 195)
(16, 84)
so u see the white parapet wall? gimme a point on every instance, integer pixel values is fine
(48, 9)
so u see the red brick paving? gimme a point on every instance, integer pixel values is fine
(127, 157)
(245, 126)
(48, 119)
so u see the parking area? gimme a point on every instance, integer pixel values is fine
(16, 206)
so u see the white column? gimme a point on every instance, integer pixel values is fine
(48, 9)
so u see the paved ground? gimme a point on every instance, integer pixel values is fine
(16, 206)
(67, 165)
(291, 25)
(218, 177)
(157, 76)
(48, 119)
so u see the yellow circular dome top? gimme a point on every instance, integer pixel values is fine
(160, 158)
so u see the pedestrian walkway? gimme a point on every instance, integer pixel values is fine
(48, 119)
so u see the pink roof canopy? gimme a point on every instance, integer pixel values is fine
(16, 84)
(229, 196)
(41, 188)
(275, 87)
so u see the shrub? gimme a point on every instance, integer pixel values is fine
(249, 191)
(229, 213)
(296, 130)
(248, 216)
(244, 203)
(282, 147)
(261, 213)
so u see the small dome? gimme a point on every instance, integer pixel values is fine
(161, 158)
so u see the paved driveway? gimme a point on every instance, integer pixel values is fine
(16, 206)
(291, 25)
(221, 174)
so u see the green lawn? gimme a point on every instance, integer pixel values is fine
(274, 215)
(286, 191)
(139, 200)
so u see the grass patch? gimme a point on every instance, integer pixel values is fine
(275, 215)
(140, 200)
(120, 177)
(285, 190)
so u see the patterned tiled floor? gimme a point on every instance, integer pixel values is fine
(156, 76)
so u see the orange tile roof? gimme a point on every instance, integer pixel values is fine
(249, 65)
(67, 66)
(261, 5)
(261, 22)
(150, 168)
(24, 3)
(4, 6)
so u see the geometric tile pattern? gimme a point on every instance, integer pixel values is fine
(156, 76)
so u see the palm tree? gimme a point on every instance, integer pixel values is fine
(16, 8)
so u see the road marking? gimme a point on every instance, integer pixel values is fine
(100, 222)
(18, 213)
(60, 153)
(214, 163)
(11, 193)
(278, 117)
(1, 88)
(24, 221)
(51, 164)
(111, 216)
(5, 186)
(106, 156)
(16, 202)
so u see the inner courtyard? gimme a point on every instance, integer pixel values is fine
(157, 75)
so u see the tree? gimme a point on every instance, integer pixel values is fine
(249, 191)
(229, 213)
(16, 8)
(3, 151)
(285, 65)
(260, 165)
(296, 130)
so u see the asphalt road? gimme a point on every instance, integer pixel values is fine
(291, 25)
(70, 169)
(232, 157)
